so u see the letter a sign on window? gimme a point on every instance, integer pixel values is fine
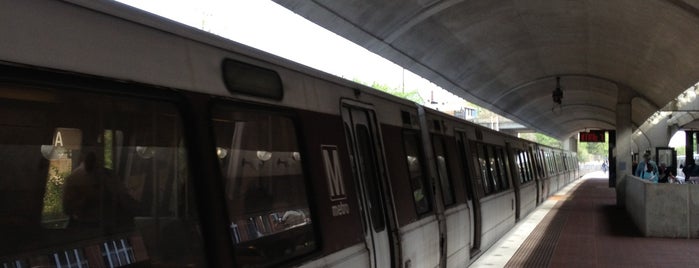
(333, 172)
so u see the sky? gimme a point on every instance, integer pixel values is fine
(268, 26)
(678, 139)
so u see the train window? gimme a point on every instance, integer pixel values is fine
(94, 180)
(557, 158)
(561, 163)
(539, 164)
(542, 162)
(355, 171)
(443, 170)
(533, 163)
(528, 165)
(460, 138)
(553, 163)
(571, 160)
(264, 186)
(494, 171)
(545, 163)
(542, 159)
(504, 168)
(411, 144)
(549, 162)
(365, 147)
(485, 172)
(518, 166)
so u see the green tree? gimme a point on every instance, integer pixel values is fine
(588, 151)
(412, 95)
(541, 139)
(546, 140)
(583, 155)
(53, 197)
(681, 150)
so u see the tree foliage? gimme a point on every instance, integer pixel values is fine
(681, 150)
(541, 139)
(412, 95)
(53, 202)
(546, 140)
(589, 151)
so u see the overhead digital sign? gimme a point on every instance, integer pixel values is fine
(592, 136)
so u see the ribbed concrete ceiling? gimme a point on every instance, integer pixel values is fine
(504, 55)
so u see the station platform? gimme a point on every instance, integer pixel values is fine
(581, 226)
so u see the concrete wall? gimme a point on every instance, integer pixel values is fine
(663, 210)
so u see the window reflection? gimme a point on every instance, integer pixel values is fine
(411, 145)
(265, 188)
(94, 175)
(443, 171)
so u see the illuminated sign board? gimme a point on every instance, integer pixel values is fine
(592, 136)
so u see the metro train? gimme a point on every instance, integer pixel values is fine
(130, 140)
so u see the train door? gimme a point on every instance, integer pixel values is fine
(541, 167)
(368, 169)
(472, 198)
(517, 180)
(546, 181)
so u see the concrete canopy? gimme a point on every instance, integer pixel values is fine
(505, 55)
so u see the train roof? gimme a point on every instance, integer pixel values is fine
(117, 41)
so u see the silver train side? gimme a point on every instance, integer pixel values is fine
(211, 153)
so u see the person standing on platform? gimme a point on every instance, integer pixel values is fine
(691, 171)
(667, 175)
(645, 165)
(605, 166)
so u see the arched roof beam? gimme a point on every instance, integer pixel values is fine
(683, 5)
(432, 9)
(566, 122)
(569, 106)
(549, 77)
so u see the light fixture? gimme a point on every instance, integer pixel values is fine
(145, 152)
(47, 151)
(221, 152)
(557, 93)
(296, 156)
(264, 155)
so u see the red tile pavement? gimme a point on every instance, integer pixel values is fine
(592, 232)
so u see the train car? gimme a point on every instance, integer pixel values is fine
(529, 176)
(131, 140)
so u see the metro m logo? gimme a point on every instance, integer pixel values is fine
(333, 172)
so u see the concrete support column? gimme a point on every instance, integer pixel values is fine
(570, 144)
(622, 151)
